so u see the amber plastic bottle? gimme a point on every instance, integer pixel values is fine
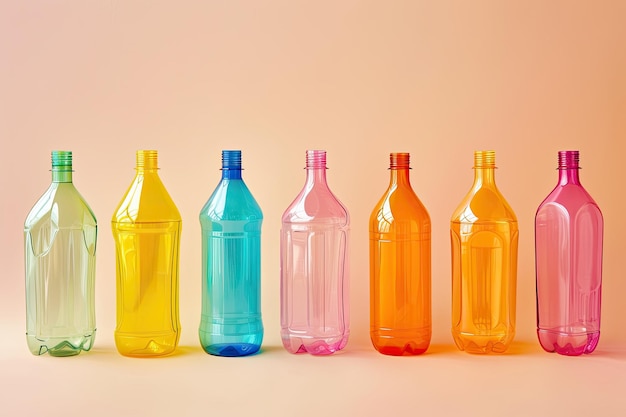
(400, 277)
(484, 238)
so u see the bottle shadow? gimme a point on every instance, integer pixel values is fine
(611, 352)
(111, 351)
(516, 348)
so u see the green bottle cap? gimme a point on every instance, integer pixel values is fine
(61, 160)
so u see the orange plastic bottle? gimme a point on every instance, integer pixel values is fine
(400, 300)
(484, 238)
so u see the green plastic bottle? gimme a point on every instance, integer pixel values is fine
(60, 259)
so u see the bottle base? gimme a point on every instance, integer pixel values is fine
(400, 342)
(60, 346)
(409, 349)
(481, 344)
(147, 345)
(231, 349)
(568, 343)
(314, 346)
(400, 348)
(231, 339)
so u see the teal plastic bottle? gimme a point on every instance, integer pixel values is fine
(231, 323)
(60, 263)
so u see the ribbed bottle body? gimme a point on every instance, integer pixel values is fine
(60, 236)
(400, 267)
(147, 287)
(484, 240)
(146, 230)
(314, 267)
(568, 252)
(231, 220)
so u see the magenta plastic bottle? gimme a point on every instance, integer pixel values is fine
(314, 309)
(568, 251)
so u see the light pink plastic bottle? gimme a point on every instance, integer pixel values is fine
(568, 250)
(314, 311)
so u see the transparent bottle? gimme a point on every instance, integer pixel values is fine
(60, 235)
(568, 251)
(231, 221)
(314, 266)
(146, 229)
(484, 235)
(400, 301)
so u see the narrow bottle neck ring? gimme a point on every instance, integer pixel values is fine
(399, 166)
(315, 167)
(484, 167)
(231, 164)
(147, 160)
(315, 159)
(569, 160)
(569, 167)
(484, 160)
(62, 166)
(399, 160)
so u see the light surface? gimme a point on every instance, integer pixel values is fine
(360, 79)
(360, 381)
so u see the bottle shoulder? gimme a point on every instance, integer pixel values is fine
(63, 205)
(570, 199)
(399, 205)
(484, 204)
(231, 201)
(146, 200)
(317, 204)
(555, 211)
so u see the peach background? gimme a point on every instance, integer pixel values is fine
(273, 78)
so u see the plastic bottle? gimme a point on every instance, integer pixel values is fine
(568, 250)
(400, 301)
(146, 229)
(314, 266)
(60, 235)
(231, 221)
(484, 237)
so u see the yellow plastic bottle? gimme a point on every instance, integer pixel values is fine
(146, 228)
(484, 237)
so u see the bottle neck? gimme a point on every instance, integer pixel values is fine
(61, 166)
(484, 169)
(399, 166)
(315, 167)
(231, 165)
(231, 174)
(147, 171)
(147, 162)
(62, 175)
(569, 176)
(315, 176)
(568, 167)
(399, 176)
(484, 176)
